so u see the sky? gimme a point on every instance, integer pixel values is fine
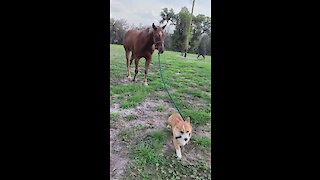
(146, 12)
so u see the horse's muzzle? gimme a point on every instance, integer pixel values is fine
(160, 48)
(160, 51)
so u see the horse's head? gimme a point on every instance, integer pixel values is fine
(158, 37)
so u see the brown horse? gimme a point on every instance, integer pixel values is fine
(142, 44)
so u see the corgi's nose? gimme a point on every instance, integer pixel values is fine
(186, 139)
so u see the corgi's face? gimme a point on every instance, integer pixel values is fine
(183, 132)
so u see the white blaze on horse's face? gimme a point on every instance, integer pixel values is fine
(162, 42)
(158, 38)
(159, 41)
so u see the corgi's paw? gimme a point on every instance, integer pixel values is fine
(178, 152)
(179, 156)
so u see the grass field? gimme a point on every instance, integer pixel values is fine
(140, 144)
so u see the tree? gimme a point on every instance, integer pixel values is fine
(168, 41)
(207, 26)
(181, 39)
(203, 45)
(180, 35)
(187, 42)
(117, 30)
(167, 16)
(197, 31)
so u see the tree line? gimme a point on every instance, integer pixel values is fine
(176, 41)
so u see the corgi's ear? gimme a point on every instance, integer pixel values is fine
(187, 120)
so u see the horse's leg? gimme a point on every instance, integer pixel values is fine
(128, 64)
(148, 60)
(131, 60)
(136, 63)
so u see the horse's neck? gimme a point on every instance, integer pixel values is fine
(147, 37)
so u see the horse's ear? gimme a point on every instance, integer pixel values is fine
(164, 26)
(154, 27)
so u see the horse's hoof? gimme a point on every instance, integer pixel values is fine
(145, 83)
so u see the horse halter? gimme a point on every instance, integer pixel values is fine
(157, 43)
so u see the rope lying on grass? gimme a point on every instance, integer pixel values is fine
(165, 87)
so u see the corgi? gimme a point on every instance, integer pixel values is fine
(181, 131)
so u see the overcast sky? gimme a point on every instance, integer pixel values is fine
(146, 12)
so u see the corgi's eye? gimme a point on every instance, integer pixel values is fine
(181, 132)
(187, 131)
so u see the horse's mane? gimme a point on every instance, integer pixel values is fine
(149, 30)
(146, 32)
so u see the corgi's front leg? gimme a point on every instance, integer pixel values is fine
(177, 147)
(178, 152)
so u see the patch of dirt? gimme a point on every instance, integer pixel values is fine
(126, 80)
(192, 154)
(118, 155)
(147, 116)
(202, 131)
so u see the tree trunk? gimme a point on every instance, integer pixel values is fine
(189, 30)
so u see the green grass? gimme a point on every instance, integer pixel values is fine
(130, 117)
(114, 116)
(160, 107)
(126, 134)
(189, 83)
(146, 151)
(197, 117)
(131, 95)
(138, 127)
(149, 162)
(195, 92)
(158, 135)
(129, 133)
(202, 141)
(183, 77)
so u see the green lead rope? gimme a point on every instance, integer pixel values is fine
(165, 87)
